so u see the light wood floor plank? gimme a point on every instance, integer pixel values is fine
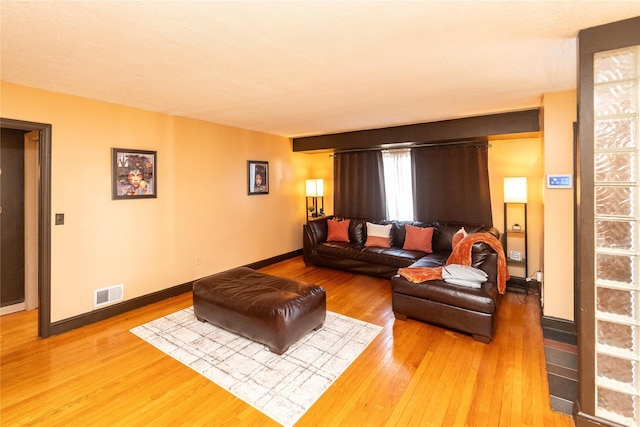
(412, 374)
(459, 413)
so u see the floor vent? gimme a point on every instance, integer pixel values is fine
(108, 295)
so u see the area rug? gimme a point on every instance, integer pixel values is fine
(282, 387)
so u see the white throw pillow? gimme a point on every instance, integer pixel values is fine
(378, 235)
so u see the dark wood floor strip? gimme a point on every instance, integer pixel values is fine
(561, 354)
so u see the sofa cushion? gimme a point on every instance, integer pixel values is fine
(338, 231)
(394, 257)
(378, 235)
(435, 259)
(482, 299)
(418, 238)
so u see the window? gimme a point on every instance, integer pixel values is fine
(440, 182)
(398, 184)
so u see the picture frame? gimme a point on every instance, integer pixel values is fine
(257, 177)
(133, 174)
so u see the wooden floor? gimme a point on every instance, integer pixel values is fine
(412, 374)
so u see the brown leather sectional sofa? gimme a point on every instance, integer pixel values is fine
(466, 309)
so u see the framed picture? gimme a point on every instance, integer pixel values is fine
(133, 174)
(258, 177)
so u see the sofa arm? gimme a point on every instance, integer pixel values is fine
(317, 230)
(313, 233)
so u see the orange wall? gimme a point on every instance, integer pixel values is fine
(518, 157)
(559, 113)
(322, 167)
(202, 221)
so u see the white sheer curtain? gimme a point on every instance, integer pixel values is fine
(397, 182)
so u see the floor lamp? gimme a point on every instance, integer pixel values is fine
(515, 193)
(315, 198)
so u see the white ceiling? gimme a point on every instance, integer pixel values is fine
(298, 68)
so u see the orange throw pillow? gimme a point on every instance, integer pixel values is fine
(418, 238)
(338, 231)
(460, 234)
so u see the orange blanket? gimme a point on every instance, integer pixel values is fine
(462, 255)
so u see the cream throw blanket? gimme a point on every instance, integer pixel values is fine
(464, 275)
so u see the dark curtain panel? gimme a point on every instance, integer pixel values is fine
(359, 185)
(451, 183)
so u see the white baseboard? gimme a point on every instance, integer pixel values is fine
(11, 309)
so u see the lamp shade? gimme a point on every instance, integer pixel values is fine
(315, 188)
(515, 189)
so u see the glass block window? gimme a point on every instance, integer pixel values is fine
(617, 274)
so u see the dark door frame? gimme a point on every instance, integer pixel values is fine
(44, 219)
(606, 37)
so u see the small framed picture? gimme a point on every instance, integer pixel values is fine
(258, 177)
(133, 174)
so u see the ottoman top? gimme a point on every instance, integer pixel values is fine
(243, 287)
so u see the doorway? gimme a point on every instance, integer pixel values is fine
(42, 189)
(19, 219)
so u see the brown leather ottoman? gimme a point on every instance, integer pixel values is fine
(274, 311)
